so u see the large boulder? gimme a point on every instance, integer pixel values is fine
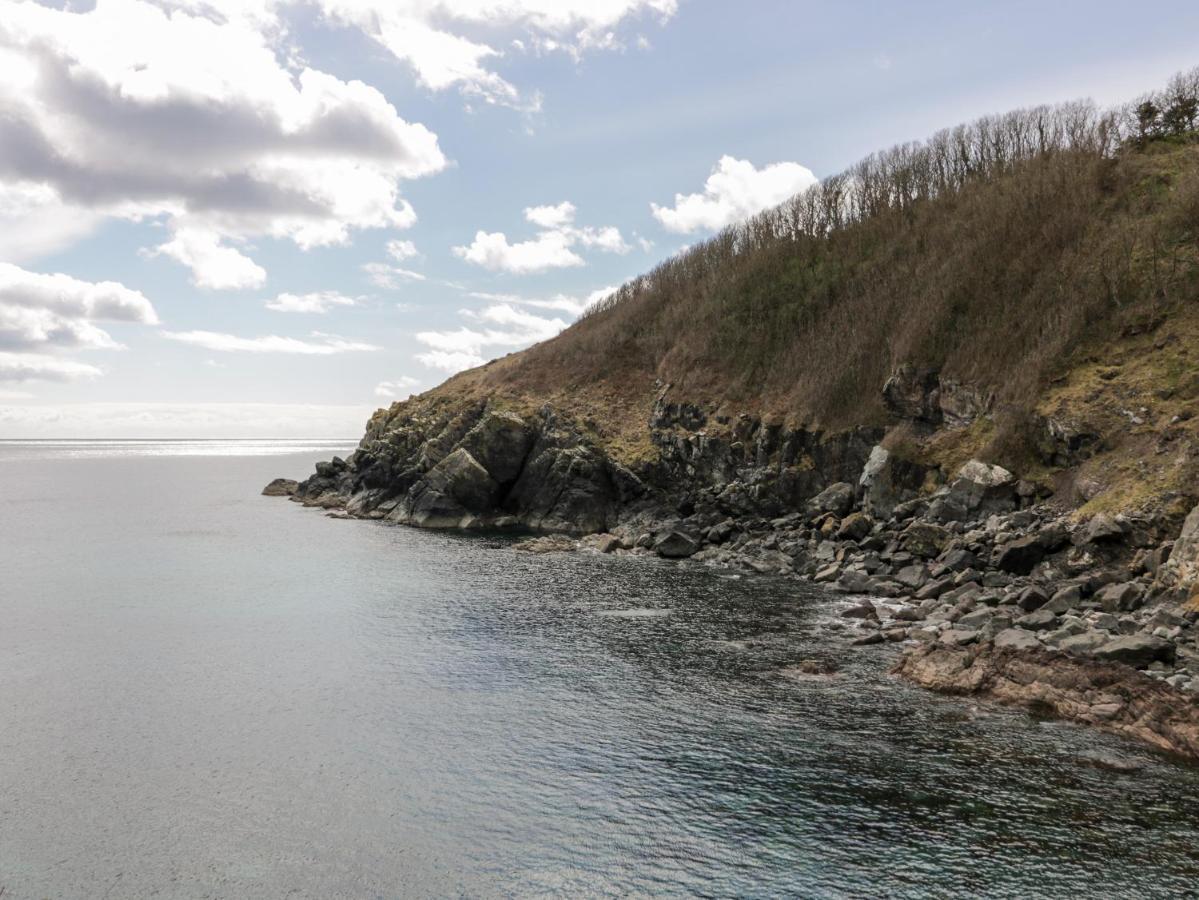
(978, 489)
(887, 481)
(1021, 556)
(836, 499)
(676, 545)
(1136, 650)
(280, 487)
(451, 493)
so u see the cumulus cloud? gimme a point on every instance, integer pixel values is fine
(552, 248)
(93, 102)
(325, 345)
(393, 389)
(444, 40)
(55, 311)
(319, 302)
(734, 191)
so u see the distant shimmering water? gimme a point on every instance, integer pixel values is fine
(207, 693)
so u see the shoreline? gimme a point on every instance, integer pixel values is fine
(1025, 607)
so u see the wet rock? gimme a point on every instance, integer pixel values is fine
(815, 667)
(908, 614)
(601, 543)
(864, 611)
(676, 545)
(1112, 697)
(550, 543)
(1103, 759)
(280, 487)
(935, 589)
(866, 640)
(854, 582)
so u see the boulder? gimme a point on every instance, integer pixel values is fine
(451, 492)
(977, 489)
(1084, 644)
(676, 545)
(864, 610)
(836, 499)
(887, 482)
(1136, 650)
(959, 637)
(1021, 556)
(1017, 639)
(1120, 597)
(280, 487)
(924, 539)
(1102, 529)
(855, 526)
(1031, 598)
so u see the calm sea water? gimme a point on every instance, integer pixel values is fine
(208, 693)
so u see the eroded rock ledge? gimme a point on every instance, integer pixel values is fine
(1107, 695)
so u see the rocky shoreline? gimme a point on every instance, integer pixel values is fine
(970, 573)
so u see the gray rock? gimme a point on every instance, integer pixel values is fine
(1020, 556)
(1119, 597)
(959, 637)
(864, 611)
(924, 539)
(1102, 529)
(875, 637)
(1137, 650)
(676, 545)
(912, 577)
(1065, 599)
(1084, 644)
(935, 589)
(1016, 638)
(855, 526)
(976, 618)
(1031, 598)
(1040, 620)
(836, 499)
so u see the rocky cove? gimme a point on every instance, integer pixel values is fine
(992, 585)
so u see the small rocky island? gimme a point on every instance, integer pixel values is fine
(940, 384)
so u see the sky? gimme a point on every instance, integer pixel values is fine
(258, 218)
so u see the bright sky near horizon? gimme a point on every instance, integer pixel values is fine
(262, 218)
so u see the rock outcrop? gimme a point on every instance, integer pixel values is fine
(1112, 697)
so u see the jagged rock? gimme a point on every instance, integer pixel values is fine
(676, 545)
(1020, 556)
(836, 499)
(549, 543)
(1031, 598)
(1136, 650)
(887, 482)
(958, 637)
(935, 589)
(977, 489)
(959, 560)
(1093, 692)
(961, 404)
(1102, 529)
(908, 614)
(451, 493)
(854, 582)
(280, 487)
(913, 394)
(601, 543)
(1119, 597)
(1065, 599)
(1083, 644)
(912, 577)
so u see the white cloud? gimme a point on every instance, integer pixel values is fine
(734, 191)
(92, 104)
(551, 216)
(213, 265)
(401, 386)
(390, 278)
(318, 302)
(326, 345)
(505, 323)
(43, 311)
(443, 39)
(15, 395)
(551, 248)
(401, 250)
(37, 367)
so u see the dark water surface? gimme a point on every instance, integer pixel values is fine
(207, 693)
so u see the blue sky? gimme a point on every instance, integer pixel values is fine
(197, 197)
